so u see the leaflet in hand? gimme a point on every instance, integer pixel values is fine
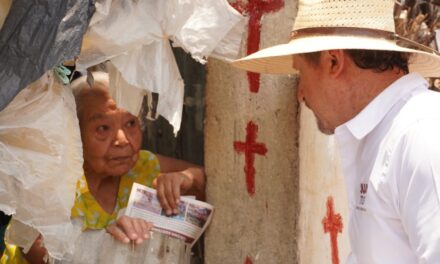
(193, 218)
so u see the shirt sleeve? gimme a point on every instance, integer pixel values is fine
(418, 185)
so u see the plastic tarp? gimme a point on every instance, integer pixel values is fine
(40, 163)
(135, 37)
(36, 36)
(99, 247)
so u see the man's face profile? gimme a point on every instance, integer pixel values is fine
(311, 91)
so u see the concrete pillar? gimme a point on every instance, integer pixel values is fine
(253, 224)
(300, 199)
(320, 179)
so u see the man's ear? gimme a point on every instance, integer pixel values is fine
(334, 60)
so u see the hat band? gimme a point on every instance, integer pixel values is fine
(359, 32)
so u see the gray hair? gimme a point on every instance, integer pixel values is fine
(100, 81)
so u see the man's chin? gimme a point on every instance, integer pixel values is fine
(325, 130)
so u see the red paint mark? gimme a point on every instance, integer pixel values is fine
(332, 224)
(248, 261)
(250, 148)
(254, 81)
(256, 9)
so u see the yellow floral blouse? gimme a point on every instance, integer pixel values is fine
(144, 172)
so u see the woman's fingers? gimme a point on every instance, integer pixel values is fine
(162, 198)
(127, 229)
(169, 195)
(142, 229)
(126, 224)
(176, 194)
(139, 232)
(117, 233)
(146, 228)
(168, 187)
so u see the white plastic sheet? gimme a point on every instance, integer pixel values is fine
(134, 36)
(99, 247)
(40, 163)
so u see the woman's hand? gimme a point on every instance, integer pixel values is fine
(127, 229)
(37, 252)
(177, 178)
(169, 187)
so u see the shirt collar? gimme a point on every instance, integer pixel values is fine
(364, 122)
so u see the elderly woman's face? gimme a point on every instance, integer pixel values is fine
(111, 136)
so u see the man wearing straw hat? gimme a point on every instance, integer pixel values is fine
(365, 84)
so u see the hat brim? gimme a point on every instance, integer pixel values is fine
(279, 60)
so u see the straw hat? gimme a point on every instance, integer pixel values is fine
(342, 24)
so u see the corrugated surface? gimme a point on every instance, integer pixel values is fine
(36, 36)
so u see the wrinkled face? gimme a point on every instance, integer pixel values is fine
(314, 91)
(111, 136)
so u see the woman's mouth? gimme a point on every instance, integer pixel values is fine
(120, 158)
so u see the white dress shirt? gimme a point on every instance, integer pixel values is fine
(390, 156)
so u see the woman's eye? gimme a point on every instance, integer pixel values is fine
(131, 123)
(103, 128)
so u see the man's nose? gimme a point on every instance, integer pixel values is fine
(121, 138)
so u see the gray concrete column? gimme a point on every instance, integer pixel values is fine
(252, 223)
(321, 185)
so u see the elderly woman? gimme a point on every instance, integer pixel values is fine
(113, 161)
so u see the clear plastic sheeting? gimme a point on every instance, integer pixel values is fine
(35, 37)
(40, 163)
(134, 36)
(21, 234)
(99, 247)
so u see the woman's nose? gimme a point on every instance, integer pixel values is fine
(121, 138)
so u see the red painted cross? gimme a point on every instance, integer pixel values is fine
(250, 148)
(248, 260)
(256, 9)
(332, 224)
